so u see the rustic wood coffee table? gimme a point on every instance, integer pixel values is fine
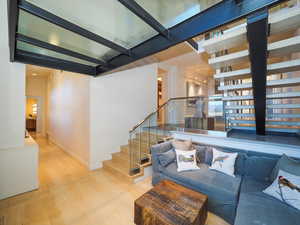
(169, 203)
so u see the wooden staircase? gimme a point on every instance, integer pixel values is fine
(119, 165)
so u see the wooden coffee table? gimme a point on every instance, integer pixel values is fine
(170, 203)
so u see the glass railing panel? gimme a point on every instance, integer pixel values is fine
(155, 131)
(216, 114)
(145, 141)
(134, 151)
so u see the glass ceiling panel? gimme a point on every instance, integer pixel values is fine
(33, 49)
(172, 12)
(107, 18)
(42, 30)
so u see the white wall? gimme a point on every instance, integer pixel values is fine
(36, 86)
(19, 169)
(118, 102)
(12, 91)
(18, 160)
(68, 113)
(179, 68)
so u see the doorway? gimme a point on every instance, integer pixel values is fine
(33, 115)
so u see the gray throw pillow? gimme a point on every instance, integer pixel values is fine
(286, 164)
(200, 153)
(209, 156)
(167, 157)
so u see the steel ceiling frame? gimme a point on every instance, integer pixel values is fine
(222, 13)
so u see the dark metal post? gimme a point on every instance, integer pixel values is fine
(12, 14)
(257, 33)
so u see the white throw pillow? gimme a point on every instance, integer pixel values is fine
(223, 162)
(186, 160)
(286, 188)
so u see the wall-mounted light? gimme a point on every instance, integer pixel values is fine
(34, 109)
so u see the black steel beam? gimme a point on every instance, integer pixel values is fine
(47, 61)
(193, 44)
(224, 12)
(42, 44)
(257, 34)
(12, 14)
(134, 7)
(41, 13)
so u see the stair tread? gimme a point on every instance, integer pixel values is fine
(283, 20)
(281, 67)
(117, 167)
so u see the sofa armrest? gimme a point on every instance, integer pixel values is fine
(157, 149)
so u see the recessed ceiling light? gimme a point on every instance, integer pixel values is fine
(34, 74)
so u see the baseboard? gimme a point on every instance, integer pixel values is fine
(95, 166)
(147, 173)
(72, 154)
(4, 196)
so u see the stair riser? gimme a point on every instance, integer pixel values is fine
(144, 141)
(125, 150)
(117, 173)
(121, 160)
(146, 135)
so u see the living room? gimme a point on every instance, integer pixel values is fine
(177, 112)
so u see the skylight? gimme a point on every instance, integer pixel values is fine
(97, 36)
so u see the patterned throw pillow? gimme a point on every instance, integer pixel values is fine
(182, 145)
(186, 160)
(286, 164)
(286, 188)
(223, 162)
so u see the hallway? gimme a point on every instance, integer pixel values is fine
(56, 166)
(69, 194)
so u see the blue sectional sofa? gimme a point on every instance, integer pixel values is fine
(239, 200)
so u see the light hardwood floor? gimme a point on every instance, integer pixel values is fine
(69, 194)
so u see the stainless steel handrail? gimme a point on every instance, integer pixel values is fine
(163, 105)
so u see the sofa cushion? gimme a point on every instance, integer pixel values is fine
(222, 190)
(251, 185)
(209, 182)
(286, 164)
(257, 208)
(259, 167)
